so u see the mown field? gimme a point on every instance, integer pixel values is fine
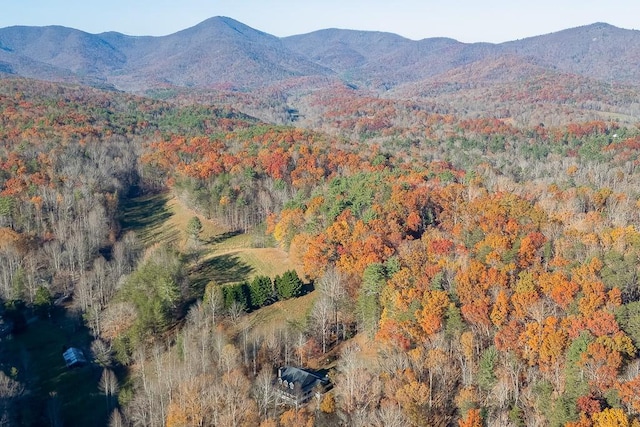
(221, 256)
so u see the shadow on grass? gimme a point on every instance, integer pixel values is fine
(221, 269)
(307, 288)
(37, 355)
(219, 238)
(147, 217)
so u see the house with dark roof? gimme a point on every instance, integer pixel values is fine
(296, 386)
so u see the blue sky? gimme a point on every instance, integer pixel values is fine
(464, 20)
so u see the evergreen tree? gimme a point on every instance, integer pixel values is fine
(154, 290)
(238, 293)
(368, 304)
(194, 228)
(42, 300)
(486, 373)
(260, 289)
(288, 285)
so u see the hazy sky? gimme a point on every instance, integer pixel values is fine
(464, 20)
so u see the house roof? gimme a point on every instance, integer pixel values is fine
(73, 356)
(306, 380)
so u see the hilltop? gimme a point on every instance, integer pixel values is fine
(223, 52)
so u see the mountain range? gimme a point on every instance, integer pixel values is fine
(221, 53)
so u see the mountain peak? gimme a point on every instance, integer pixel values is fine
(603, 25)
(220, 20)
(223, 51)
(226, 25)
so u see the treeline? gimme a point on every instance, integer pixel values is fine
(261, 291)
(241, 177)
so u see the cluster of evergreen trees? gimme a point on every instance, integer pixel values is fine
(262, 291)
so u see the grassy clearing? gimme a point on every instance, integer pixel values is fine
(162, 219)
(220, 269)
(149, 217)
(222, 257)
(230, 242)
(266, 261)
(71, 393)
(280, 314)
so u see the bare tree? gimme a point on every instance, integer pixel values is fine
(332, 286)
(229, 358)
(214, 302)
(115, 420)
(97, 225)
(358, 388)
(236, 310)
(264, 392)
(197, 340)
(238, 409)
(162, 383)
(196, 315)
(102, 281)
(392, 360)
(102, 352)
(116, 318)
(10, 392)
(108, 385)
(84, 292)
(321, 318)
(9, 264)
(390, 415)
(53, 251)
(31, 264)
(125, 254)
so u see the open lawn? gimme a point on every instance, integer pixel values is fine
(148, 217)
(223, 256)
(281, 313)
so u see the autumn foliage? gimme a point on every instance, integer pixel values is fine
(492, 266)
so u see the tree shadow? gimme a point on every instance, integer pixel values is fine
(307, 288)
(37, 353)
(219, 238)
(147, 217)
(221, 269)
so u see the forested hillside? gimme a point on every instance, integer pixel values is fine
(442, 265)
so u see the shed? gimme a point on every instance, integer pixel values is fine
(74, 357)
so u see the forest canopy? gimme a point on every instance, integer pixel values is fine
(444, 270)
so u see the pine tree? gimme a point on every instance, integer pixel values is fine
(194, 228)
(288, 285)
(260, 289)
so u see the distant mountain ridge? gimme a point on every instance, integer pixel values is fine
(223, 53)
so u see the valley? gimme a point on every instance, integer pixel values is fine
(448, 231)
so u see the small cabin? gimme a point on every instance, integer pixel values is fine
(74, 357)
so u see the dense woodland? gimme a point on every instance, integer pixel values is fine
(461, 270)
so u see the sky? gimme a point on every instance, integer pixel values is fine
(468, 21)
